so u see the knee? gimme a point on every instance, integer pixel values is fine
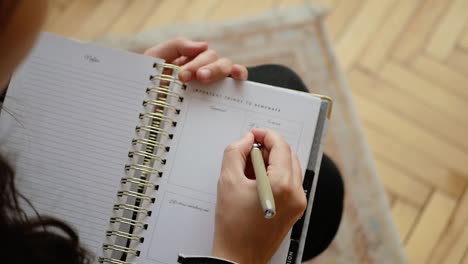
(276, 68)
(273, 70)
(277, 75)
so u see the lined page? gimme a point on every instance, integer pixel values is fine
(74, 107)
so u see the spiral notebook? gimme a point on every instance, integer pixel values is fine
(115, 145)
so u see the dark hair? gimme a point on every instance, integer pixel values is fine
(37, 240)
(7, 9)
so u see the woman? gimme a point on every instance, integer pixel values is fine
(37, 240)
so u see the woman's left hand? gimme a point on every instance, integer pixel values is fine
(197, 60)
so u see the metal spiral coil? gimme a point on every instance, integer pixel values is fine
(167, 78)
(140, 182)
(153, 129)
(111, 261)
(128, 221)
(142, 168)
(153, 143)
(147, 159)
(159, 117)
(121, 249)
(133, 208)
(136, 195)
(125, 235)
(164, 89)
(160, 102)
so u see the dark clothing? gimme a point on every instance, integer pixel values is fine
(329, 195)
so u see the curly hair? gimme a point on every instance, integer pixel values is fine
(7, 9)
(37, 240)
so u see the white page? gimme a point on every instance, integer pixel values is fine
(212, 116)
(75, 108)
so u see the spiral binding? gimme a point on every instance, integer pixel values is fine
(128, 221)
(111, 260)
(154, 129)
(146, 166)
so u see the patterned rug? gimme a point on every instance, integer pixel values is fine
(296, 38)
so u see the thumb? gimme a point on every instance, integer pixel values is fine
(235, 154)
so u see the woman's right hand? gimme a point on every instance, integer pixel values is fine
(242, 234)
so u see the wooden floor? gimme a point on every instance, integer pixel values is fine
(407, 65)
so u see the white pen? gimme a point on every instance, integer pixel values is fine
(263, 182)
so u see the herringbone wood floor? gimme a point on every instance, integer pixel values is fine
(407, 65)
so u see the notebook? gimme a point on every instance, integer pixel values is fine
(115, 145)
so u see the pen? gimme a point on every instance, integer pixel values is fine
(263, 183)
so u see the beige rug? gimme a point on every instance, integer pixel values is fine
(296, 38)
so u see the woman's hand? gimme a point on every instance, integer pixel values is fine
(242, 233)
(197, 61)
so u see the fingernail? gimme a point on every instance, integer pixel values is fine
(185, 76)
(205, 73)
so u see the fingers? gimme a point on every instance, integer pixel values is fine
(215, 71)
(280, 155)
(297, 171)
(285, 172)
(180, 61)
(235, 155)
(300, 201)
(269, 138)
(239, 72)
(206, 67)
(175, 48)
(220, 69)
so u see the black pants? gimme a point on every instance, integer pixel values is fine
(328, 203)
